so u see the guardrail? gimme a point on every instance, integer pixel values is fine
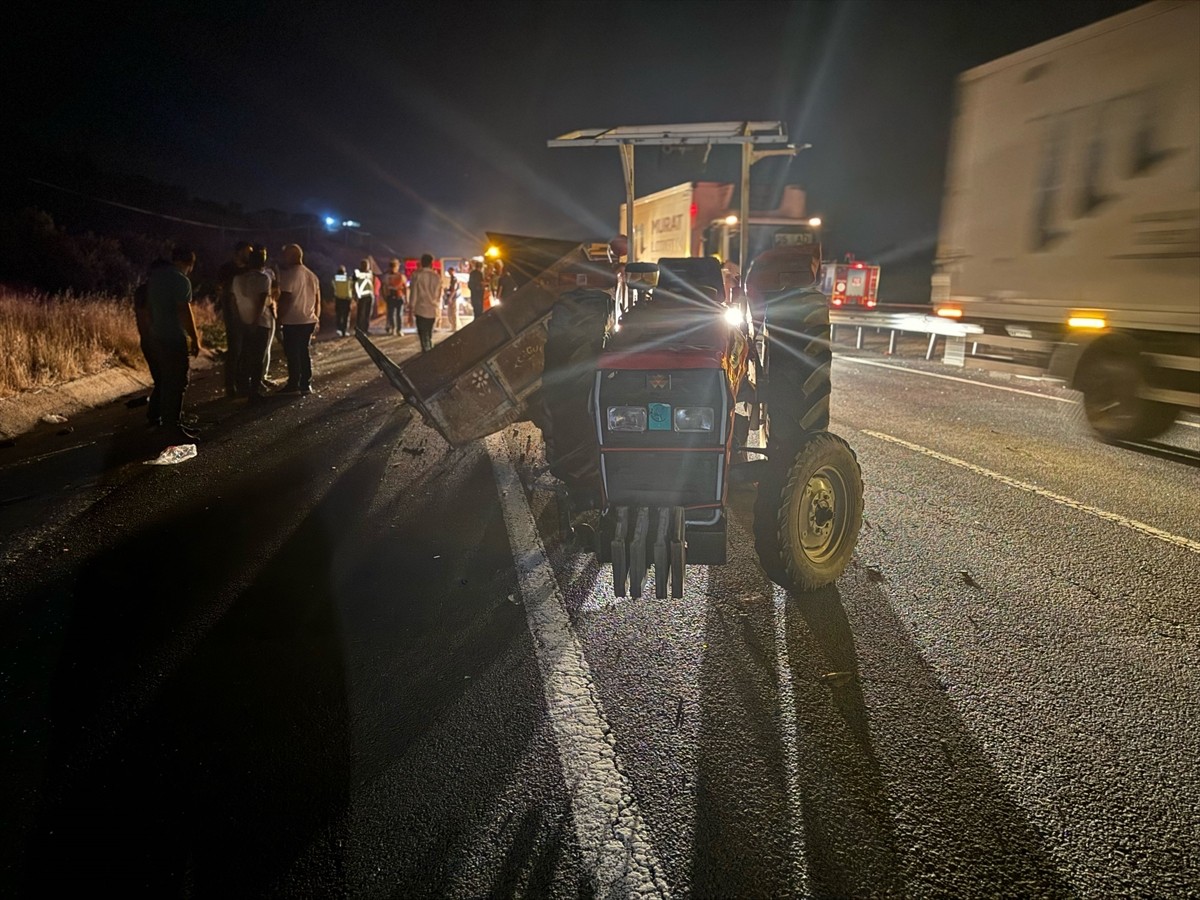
(916, 321)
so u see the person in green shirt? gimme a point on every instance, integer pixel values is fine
(169, 300)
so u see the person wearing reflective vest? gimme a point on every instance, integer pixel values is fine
(343, 293)
(364, 295)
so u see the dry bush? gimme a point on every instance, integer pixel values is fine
(50, 340)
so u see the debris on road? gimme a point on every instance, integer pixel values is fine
(176, 453)
(874, 572)
(836, 678)
(967, 579)
(54, 419)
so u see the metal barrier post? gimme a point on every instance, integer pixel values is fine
(858, 342)
(932, 342)
(892, 343)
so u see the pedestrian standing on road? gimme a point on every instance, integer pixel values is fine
(256, 309)
(395, 291)
(169, 298)
(506, 285)
(343, 293)
(145, 327)
(426, 292)
(364, 296)
(267, 383)
(229, 270)
(475, 287)
(299, 317)
(451, 298)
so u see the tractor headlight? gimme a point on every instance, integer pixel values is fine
(693, 418)
(627, 418)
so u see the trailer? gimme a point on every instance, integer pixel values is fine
(488, 374)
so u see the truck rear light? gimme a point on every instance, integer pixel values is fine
(627, 418)
(1092, 322)
(837, 301)
(694, 418)
(870, 303)
(949, 312)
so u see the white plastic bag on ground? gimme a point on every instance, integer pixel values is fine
(176, 453)
(54, 419)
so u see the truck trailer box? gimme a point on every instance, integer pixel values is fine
(1073, 179)
(1070, 229)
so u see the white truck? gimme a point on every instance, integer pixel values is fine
(1070, 229)
(695, 219)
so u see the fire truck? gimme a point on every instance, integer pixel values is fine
(850, 284)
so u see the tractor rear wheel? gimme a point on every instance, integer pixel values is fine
(576, 333)
(799, 356)
(819, 512)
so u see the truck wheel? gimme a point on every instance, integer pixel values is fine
(820, 510)
(576, 333)
(1110, 377)
(799, 357)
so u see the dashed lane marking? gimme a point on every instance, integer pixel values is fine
(612, 834)
(1133, 524)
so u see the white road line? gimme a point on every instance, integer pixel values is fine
(791, 742)
(1134, 524)
(995, 387)
(612, 835)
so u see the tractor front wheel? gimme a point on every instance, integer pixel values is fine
(820, 512)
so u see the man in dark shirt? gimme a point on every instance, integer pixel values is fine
(145, 327)
(169, 298)
(475, 286)
(233, 324)
(506, 284)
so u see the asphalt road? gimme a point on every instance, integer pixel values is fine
(330, 656)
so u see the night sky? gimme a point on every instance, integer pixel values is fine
(429, 121)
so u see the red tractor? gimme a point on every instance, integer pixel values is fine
(651, 393)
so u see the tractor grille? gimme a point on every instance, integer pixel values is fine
(662, 478)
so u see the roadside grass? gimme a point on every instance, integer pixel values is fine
(48, 340)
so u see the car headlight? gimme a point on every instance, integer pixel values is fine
(627, 418)
(694, 418)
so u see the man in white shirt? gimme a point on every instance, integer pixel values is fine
(299, 317)
(252, 291)
(425, 293)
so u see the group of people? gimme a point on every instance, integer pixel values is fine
(420, 300)
(256, 300)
